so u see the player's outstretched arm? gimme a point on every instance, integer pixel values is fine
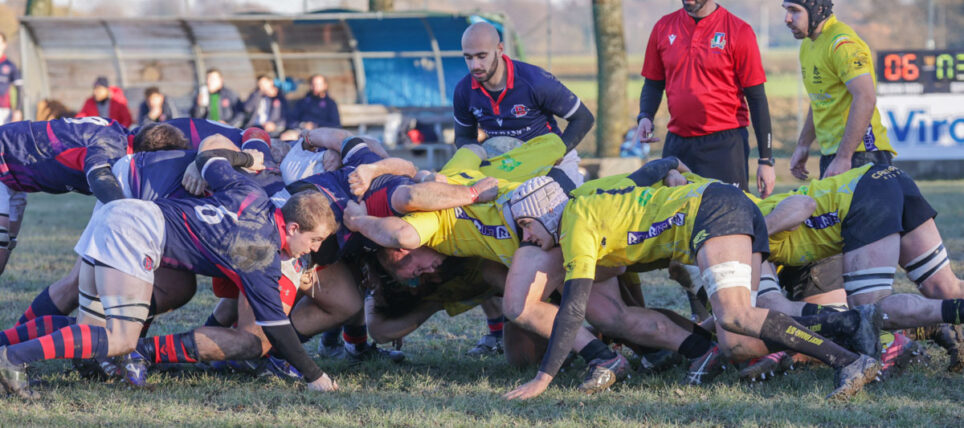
(361, 178)
(435, 196)
(389, 232)
(790, 213)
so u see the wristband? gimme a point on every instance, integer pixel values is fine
(767, 162)
(475, 194)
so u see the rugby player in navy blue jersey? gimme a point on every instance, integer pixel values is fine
(60, 156)
(237, 233)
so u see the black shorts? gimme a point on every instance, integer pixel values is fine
(721, 155)
(859, 159)
(816, 278)
(886, 201)
(378, 198)
(725, 210)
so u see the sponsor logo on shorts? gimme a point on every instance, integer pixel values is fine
(822, 221)
(886, 174)
(699, 237)
(519, 110)
(148, 263)
(719, 41)
(497, 232)
(633, 238)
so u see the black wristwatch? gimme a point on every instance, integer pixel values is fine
(767, 162)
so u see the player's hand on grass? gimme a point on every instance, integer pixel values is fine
(798, 163)
(192, 181)
(530, 389)
(487, 189)
(353, 211)
(766, 178)
(674, 178)
(361, 179)
(644, 131)
(323, 384)
(258, 164)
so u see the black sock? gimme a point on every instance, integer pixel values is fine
(815, 309)
(694, 346)
(213, 322)
(330, 337)
(833, 324)
(951, 310)
(780, 329)
(596, 350)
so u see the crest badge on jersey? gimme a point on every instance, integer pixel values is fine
(520, 110)
(148, 263)
(672, 38)
(719, 41)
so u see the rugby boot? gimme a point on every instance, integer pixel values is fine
(272, 366)
(604, 373)
(866, 340)
(951, 338)
(335, 352)
(487, 345)
(850, 379)
(899, 353)
(14, 377)
(659, 361)
(369, 351)
(767, 367)
(134, 369)
(97, 369)
(704, 369)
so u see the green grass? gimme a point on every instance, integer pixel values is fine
(437, 386)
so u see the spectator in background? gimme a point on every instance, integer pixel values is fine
(317, 109)
(267, 107)
(155, 107)
(107, 102)
(216, 102)
(9, 76)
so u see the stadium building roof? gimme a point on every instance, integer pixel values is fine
(400, 59)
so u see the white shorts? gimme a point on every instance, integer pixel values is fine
(300, 163)
(127, 235)
(12, 202)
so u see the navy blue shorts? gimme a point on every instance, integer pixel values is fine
(725, 210)
(721, 155)
(378, 198)
(886, 201)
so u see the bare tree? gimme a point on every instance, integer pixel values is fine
(611, 111)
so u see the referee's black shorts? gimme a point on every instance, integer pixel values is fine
(721, 155)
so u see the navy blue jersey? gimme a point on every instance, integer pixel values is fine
(196, 130)
(334, 184)
(236, 233)
(525, 109)
(56, 156)
(9, 76)
(156, 175)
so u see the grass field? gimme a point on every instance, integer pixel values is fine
(438, 387)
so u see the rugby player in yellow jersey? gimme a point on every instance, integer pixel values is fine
(838, 72)
(424, 239)
(713, 224)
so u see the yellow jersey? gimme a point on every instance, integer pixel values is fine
(820, 235)
(828, 63)
(629, 225)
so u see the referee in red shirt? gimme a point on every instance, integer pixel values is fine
(707, 61)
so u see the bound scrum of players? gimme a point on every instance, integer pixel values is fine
(338, 236)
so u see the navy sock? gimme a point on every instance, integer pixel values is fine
(74, 341)
(496, 325)
(172, 348)
(330, 337)
(213, 322)
(951, 310)
(41, 305)
(355, 334)
(596, 350)
(34, 328)
(694, 346)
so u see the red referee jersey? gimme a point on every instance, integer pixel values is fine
(705, 65)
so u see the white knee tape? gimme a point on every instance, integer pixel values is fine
(91, 305)
(869, 280)
(727, 275)
(925, 266)
(126, 308)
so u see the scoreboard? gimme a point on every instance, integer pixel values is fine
(914, 72)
